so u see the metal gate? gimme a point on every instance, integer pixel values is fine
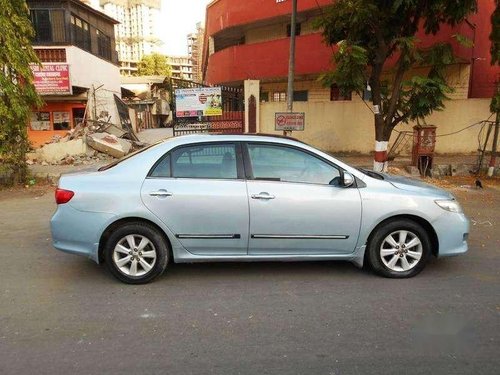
(233, 113)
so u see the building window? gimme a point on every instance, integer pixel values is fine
(103, 45)
(279, 96)
(48, 25)
(264, 96)
(336, 95)
(300, 96)
(40, 121)
(80, 31)
(289, 29)
(61, 120)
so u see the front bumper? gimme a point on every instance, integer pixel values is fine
(452, 230)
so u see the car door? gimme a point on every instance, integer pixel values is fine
(199, 192)
(297, 205)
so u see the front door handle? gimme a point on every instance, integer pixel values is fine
(263, 195)
(161, 193)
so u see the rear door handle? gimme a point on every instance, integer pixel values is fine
(161, 193)
(263, 195)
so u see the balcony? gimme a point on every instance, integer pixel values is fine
(223, 14)
(268, 60)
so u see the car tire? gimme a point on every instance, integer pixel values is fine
(399, 249)
(136, 253)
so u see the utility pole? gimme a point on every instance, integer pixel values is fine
(291, 62)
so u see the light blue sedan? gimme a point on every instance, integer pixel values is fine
(241, 198)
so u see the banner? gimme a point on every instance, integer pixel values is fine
(51, 79)
(200, 101)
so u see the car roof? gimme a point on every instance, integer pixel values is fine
(235, 137)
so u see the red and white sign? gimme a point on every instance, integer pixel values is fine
(293, 121)
(51, 79)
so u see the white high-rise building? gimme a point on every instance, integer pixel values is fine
(137, 33)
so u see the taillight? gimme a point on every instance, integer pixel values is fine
(63, 196)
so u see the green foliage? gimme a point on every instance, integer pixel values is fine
(153, 65)
(351, 63)
(369, 33)
(17, 93)
(463, 40)
(421, 96)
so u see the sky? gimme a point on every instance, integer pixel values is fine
(178, 18)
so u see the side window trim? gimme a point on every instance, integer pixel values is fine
(238, 153)
(249, 170)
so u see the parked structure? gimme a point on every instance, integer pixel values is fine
(195, 51)
(137, 34)
(181, 67)
(249, 43)
(76, 46)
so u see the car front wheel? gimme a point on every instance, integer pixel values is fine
(399, 249)
(136, 253)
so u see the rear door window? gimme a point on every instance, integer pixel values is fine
(213, 161)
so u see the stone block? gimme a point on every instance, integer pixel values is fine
(54, 152)
(109, 144)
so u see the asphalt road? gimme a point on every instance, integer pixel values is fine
(61, 314)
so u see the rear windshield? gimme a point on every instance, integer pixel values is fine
(131, 155)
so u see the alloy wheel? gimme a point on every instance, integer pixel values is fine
(134, 255)
(401, 251)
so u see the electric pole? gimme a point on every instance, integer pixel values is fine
(291, 62)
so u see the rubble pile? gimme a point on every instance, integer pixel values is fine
(85, 145)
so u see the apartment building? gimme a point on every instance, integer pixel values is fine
(181, 67)
(195, 51)
(137, 31)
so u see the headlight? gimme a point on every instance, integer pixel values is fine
(449, 205)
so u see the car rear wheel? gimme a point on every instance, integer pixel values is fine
(399, 249)
(136, 253)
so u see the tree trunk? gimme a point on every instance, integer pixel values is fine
(380, 156)
(491, 167)
(380, 163)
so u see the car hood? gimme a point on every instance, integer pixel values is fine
(417, 186)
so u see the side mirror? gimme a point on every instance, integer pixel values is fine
(347, 179)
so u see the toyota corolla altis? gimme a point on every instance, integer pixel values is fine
(241, 198)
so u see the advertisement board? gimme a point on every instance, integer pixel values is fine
(51, 79)
(200, 101)
(291, 121)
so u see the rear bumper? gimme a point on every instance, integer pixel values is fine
(78, 232)
(452, 230)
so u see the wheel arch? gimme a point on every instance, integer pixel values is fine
(107, 232)
(417, 219)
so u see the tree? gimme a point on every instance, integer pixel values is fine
(153, 65)
(370, 34)
(17, 93)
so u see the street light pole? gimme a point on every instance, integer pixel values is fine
(291, 62)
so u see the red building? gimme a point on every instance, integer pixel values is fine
(250, 40)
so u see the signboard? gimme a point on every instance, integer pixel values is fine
(51, 79)
(292, 121)
(200, 101)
